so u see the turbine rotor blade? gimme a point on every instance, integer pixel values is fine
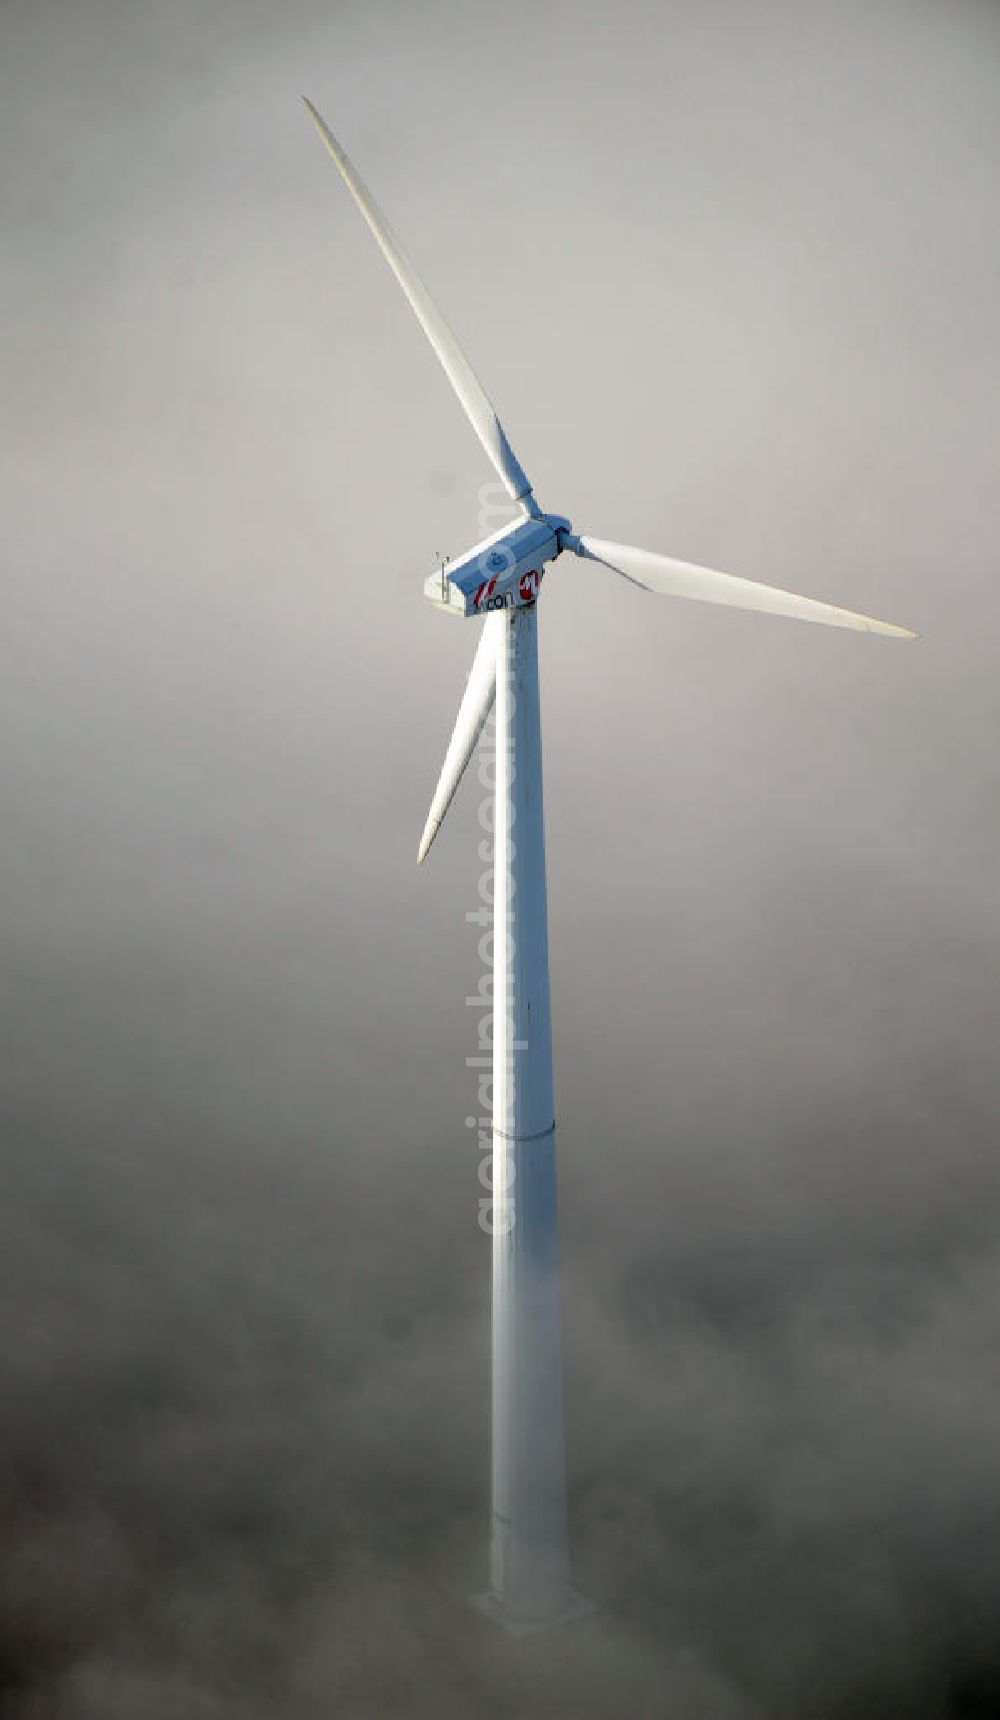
(477, 703)
(458, 370)
(669, 578)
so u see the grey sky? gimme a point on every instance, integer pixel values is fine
(730, 273)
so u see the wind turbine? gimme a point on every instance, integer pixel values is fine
(500, 579)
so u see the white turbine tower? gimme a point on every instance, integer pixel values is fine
(500, 579)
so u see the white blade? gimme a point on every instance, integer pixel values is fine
(477, 703)
(670, 578)
(459, 371)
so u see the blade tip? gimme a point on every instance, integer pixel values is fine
(317, 118)
(890, 630)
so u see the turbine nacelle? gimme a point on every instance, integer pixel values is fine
(503, 572)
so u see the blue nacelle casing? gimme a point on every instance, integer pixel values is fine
(502, 572)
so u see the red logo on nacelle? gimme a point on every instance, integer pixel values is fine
(527, 591)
